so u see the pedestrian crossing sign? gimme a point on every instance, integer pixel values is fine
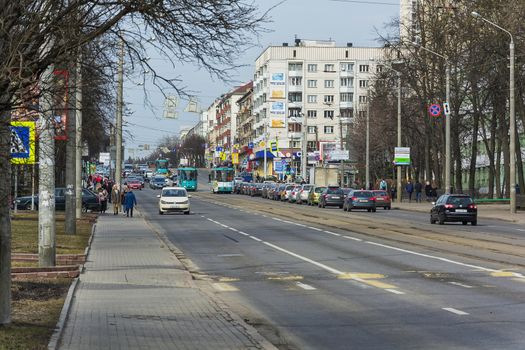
(23, 142)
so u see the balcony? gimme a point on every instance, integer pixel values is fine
(346, 89)
(348, 104)
(295, 73)
(295, 104)
(346, 74)
(295, 88)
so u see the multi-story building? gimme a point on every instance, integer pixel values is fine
(408, 28)
(245, 130)
(314, 84)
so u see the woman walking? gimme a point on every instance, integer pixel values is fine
(129, 202)
(115, 199)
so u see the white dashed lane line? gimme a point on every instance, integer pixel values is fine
(461, 285)
(455, 311)
(305, 286)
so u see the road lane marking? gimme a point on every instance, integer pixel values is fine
(332, 233)
(353, 238)
(244, 233)
(395, 291)
(256, 239)
(314, 228)
(228, 279)
(520, 229)
(229, 255)
(305, 286)
(350, 276)
(285, 278)
(224, 287)
(461, 285)
(455, 311)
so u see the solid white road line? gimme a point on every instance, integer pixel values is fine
(305, 286)
(455, 311)
(332, 233)
(395, 291)
(461, 285)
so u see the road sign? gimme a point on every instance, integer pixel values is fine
(250, 145)
(446, 108)
(434, 110)
(235, 158)
(402, 156)
(22, 142)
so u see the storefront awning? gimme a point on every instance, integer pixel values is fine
(260, 155)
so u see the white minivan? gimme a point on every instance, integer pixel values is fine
(174, 199)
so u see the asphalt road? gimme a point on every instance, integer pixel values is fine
(308, 285)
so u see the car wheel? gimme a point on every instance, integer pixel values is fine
(432, 221)
(389, 207)
(349, 209)
(187, 212)
(27, 207)
(340, 207)
(441, 219)
(384, 208)
(161, 212)
(464, 222)
(84, 208)
(474, 222)
(374, 210)
(369, 210)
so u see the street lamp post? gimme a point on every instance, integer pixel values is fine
(120, 107)
(398, 134)
(367, 158)
(512, 112)
(304, 150)
(447, 116)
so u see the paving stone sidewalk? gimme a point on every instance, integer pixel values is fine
(135, 294)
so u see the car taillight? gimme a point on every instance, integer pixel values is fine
(373, 199)
(354, 198)
(472, 206)
(449, 206)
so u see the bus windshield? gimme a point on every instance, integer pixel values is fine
(187, 175)
(224, 175)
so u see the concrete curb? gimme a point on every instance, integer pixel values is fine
(64, 314)
(56, 337)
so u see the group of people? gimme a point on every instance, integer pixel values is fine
(122, 199)
(412, 189)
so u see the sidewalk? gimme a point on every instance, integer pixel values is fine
(486, 211)
(135, 294)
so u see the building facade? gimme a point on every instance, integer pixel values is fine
(313, 88)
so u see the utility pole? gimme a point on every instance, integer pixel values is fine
(342, 180)
(304, 150)
(78, 138)
(120, 107)
(367, 160)
(70, 223)
(46, 180)
(399, 191)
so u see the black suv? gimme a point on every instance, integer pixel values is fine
(456, 208)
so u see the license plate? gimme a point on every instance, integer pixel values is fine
(461, 210)
(364, 200)
(379, 199)
(335, 197)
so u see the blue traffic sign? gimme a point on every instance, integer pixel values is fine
(250, 145)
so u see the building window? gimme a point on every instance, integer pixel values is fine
(347, 67)
(346, 113)
(328, 83)
(328, 99)
(296, 81)
(363, 68)
(329, 68)
(295, 67)
(312, 68)
(295, 144)
(312, 83)
(379, 68)
(362, 99)
(311, 146)
(328, 129)
(312, 98)
(295, 97)
(329, 114)
(311, 129)
(362, 115)
(347, 82)
(311, 114)
(346, 96)
(294, 112)
(363, 83)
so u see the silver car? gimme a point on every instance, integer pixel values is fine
(301, 196)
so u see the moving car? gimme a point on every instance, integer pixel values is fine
(331, 196)
(455, 208)
(157, 182)
(382, 199)
(360, 199)
(135, 184)
(174, 199)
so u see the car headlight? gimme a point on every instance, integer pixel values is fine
(18, 201)
(163, 202)
(184, 202)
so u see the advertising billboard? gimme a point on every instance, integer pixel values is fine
(402, 156)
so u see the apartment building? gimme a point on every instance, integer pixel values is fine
(315, 82)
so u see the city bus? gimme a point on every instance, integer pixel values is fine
(187, 178)
(222, 180)
(161, 166)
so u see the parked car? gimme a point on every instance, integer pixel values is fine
(455, 208)
(382, 199)
(265, 188)
(360, 199)
(301, 195)
(314, 194)
(90, 200)
(331, 196)
(278, 192)
(157, 182)
(134, 184)
(256, 189)
(293, 193)
(286, 193)
(174, 199)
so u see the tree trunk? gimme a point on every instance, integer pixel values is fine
(474, 145)
(5, 220)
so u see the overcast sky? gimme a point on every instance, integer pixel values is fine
(344, 21)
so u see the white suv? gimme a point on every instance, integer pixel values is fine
(174, 199)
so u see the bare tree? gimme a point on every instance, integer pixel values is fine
(35, 34)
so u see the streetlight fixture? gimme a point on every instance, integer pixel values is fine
(512, 112)
(447, 115)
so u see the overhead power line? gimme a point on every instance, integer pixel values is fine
(368, 2)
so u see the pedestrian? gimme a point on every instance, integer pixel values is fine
(393, 191)
(115, 199)
(428, 191)
(383, 185)
(433, 193)
(418, 187)
(409, 188)
(129, 202)
(103, 199)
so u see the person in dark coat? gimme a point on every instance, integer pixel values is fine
(129, 202)
(428, 191)
(409, 188)
(418, 187)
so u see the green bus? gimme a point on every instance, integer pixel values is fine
(187, 178)
(222, 180)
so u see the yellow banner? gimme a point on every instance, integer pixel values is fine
(235, 158)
